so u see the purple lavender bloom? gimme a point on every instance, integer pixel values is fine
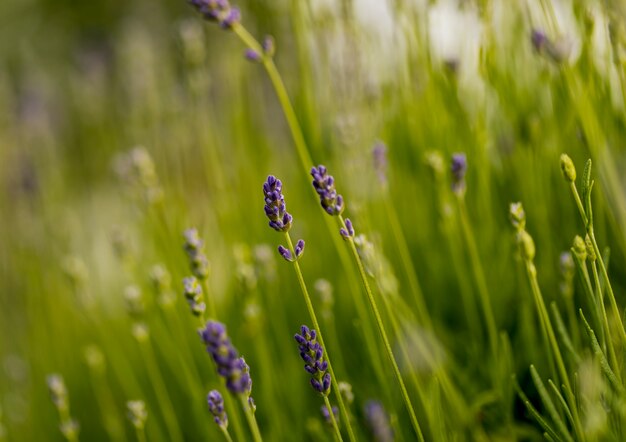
(312, 354)
(458, 168)
(378, 422)
(194, 247)
(218, 11)
(539, 40)
(252, 55)
(229, 365)
(193, 293)
(324, 185)
(326, 414)
(275, 208)
(216, 407)
(379, 152)
(348, 232)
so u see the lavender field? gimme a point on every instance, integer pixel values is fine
(342, 220)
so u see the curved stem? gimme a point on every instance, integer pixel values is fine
(316, 325)
(405, 257)
(161, 392)
(383, 334)
(333, 421)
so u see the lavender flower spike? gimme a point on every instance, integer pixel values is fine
(194, 247)
(229, 365)
(218, 11)
(193, 294)
(458, 169)
(216, 407)
(312, 354)
(378, 422)
(275, 208)
(324, 185)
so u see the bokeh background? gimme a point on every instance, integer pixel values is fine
(83, 83)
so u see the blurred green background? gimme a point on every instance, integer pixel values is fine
(82, 83)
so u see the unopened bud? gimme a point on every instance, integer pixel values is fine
(568, 168)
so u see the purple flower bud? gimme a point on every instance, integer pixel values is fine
(458, 169)
(285, 253)
(252, 55)
(232, 17)
(299, 248)
(216, 407)
(218, 11)
(312, 354)
(324, 185)
(348, 232)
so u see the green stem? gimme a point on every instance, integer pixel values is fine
(158, 384)
(252, 423)
(607, 283)
(226, 434)
(320, 338)
(383, 334)
(141, 434)
(556, 352)
(333, 421)
(479, 276)
(405, 258)
(608, 342)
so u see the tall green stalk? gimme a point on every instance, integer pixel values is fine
(316, 325)
(383, 334)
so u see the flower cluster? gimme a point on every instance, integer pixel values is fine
(58, 393)
(194, 247)
(275, 208)
(458, 169)
(312, 354)
(193, 294)
(219, 11)
(216, 407)
(324, 185)
(229, 365)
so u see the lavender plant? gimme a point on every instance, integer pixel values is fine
(281, 220)
(332, 203)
